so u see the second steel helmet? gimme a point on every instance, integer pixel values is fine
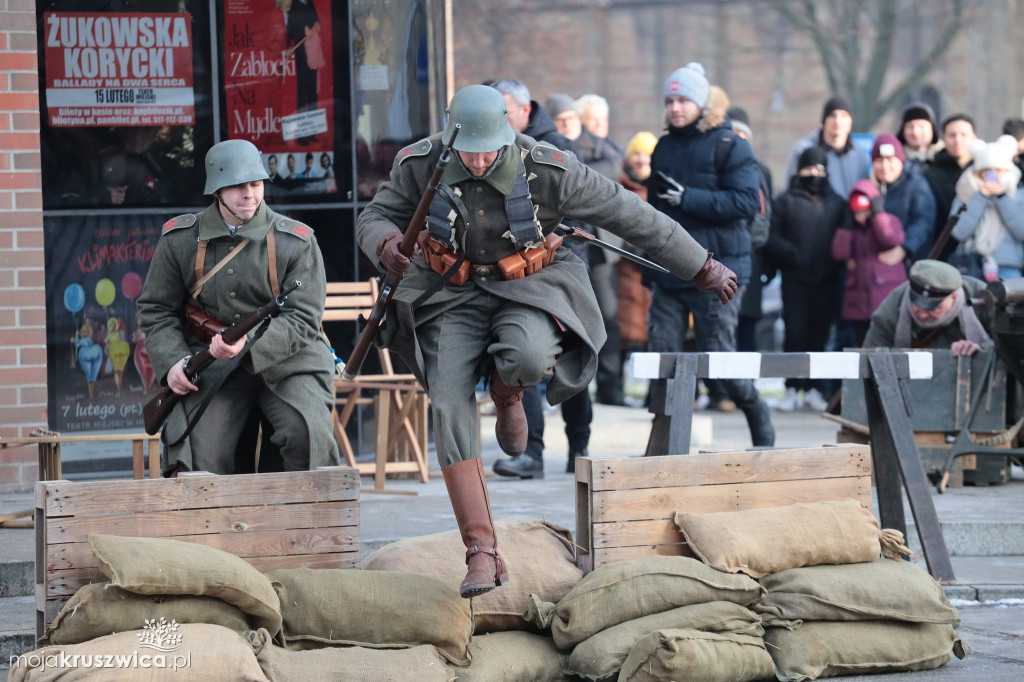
(233, 162)
(481, 112)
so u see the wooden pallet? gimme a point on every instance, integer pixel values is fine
(624, 507)
(301, 519)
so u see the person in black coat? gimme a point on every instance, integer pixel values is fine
(804, 220)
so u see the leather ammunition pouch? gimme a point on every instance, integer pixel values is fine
(201, 323)
(516, 266)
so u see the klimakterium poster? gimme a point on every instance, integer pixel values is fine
(279, 91)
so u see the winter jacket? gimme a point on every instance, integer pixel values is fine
(715, 205)
(803, 225)
(1007, 209)
(941, 175)
(868, 280)
(910, 199)
(845, 167)
(542, 128)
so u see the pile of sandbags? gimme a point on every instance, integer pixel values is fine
(658, 618)
(832, 606)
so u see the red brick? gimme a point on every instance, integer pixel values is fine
(20, 455)
(5, 122)
(24, 299)
(21, 375)
(26, 121)
(6, 201)
(18, 140)
(35, 355)
(18, 61)
(5, 158)
(20, 256)
(9, 316)
(24, 41)
(21, 180)
(24, 82)
(6, 279)
(9, 395)
(27, 161)
(21, 5)
(27, 220)
(6, 239)
(26, 199)
(10, 473)
(19, 101)
(28, 317)
(33, 395)
(20, 21)
(29, 238)
(31, 278)
(3, 41)
(25, 415)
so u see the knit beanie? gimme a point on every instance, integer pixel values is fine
(812, 156)
(641, 142)
(740, 121)
(918, 111)
(689, 82)
(998, 154)
(887, 145)
(836, 103)
(558, 103)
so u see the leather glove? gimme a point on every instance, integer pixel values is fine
(715, 277)
(390, 257)
(673, 195)
(877, 205)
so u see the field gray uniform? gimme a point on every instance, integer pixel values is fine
(291, 361)
(517, 327)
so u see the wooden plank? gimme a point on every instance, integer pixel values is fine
(79, 555)
(604, 556)
(66, 529)
(66, 583)
(633, 533)
(642, 503)
(319, 561)
(730, 467)
(197, 492)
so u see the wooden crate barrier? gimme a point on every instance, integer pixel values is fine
(624, 507)
(301, 519)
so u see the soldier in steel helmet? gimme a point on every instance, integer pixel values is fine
(288, 373)
(502, 195)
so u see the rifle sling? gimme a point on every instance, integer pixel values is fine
(233, 365)
(439, 284)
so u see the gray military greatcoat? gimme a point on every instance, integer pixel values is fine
(292, 357)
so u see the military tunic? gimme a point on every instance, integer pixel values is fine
(882, 332)
(292, 357)
(559, 187)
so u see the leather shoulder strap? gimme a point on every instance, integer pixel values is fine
(201, 261)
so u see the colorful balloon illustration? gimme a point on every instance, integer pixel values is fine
(90, 356)
(131, 285)
(74, 298)
(105, 292)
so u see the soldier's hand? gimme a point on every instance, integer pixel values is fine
(390, 257)
(177, 381)
(674, 194)
(964, 347)
(715, 277)
(221, 350)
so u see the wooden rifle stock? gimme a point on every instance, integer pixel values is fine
(947, 231)
(407, 248)
(156, 411)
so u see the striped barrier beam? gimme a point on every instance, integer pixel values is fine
(842, 365)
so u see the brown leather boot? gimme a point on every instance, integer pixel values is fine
(510, 428)
(468, 493)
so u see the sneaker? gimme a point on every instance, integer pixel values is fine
(814, 401)
(790, 401)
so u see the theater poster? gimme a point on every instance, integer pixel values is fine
(99, 373)
(118, 69)
(278, 88)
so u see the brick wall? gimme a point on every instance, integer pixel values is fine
(22, 300)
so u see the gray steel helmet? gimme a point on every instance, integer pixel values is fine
(233, 162)
(481, 111)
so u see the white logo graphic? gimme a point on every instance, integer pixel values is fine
(159, 635)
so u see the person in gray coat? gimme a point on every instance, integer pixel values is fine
(500, 198)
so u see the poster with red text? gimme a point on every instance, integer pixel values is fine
(118, 69)
(279, 89)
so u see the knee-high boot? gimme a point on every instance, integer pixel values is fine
(510, 427)
(468, 493)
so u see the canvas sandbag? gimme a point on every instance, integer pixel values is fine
(161, 566)
(684, 654)
(351, 664)
(100, 609)
(375, 609)
(880, 590)
(539, 556)
(208, 653)
(823, 649)
(512, 657)
(762, 541)
(600, 656)
(624, 590)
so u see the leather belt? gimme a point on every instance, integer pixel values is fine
(487, 271)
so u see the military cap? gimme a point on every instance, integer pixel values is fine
(931, 281)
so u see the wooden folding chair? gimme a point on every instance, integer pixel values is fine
(400, 403)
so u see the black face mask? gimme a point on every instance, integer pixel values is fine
(814, 184)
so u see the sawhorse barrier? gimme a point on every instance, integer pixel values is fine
(894, 453)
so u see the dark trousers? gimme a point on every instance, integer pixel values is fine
(808, 316)
(603, 279)
(577, 412)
